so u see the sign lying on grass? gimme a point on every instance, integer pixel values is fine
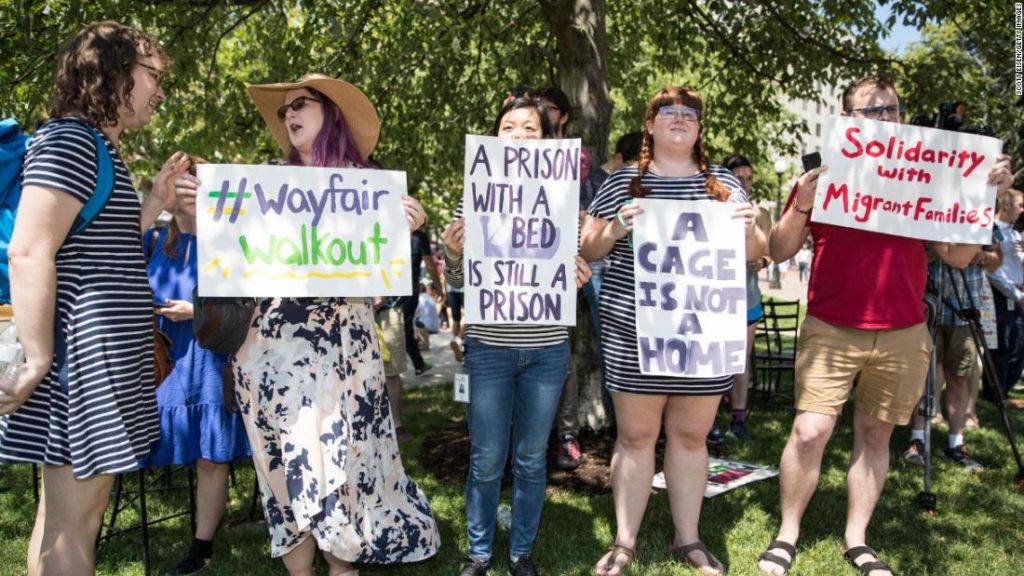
(521, 205)
(291, 231)
(724, 475)
(689, 260)
(907, 180)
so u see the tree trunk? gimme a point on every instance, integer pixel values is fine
(582, 47)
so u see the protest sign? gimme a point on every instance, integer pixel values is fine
(724, 475)
(907, 180)
(268, 231)
(689, 261)
(521, 205)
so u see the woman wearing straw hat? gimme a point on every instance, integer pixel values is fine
(331, 477)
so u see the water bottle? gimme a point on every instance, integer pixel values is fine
(11, 354)
(504, 516)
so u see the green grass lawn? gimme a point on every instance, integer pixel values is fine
(979, 528)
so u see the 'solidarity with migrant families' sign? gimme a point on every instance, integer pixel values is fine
(521, 205)
(689, 259)
(907, 181)
(301, 232)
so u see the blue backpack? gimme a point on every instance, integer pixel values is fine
(13, 145)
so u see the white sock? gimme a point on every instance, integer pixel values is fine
(955, 440)
(916, 434)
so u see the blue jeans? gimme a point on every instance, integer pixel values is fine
(515, 390)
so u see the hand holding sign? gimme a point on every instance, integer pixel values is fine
(623, 223)
(454, 237)
(1000, 175)
(414, 213)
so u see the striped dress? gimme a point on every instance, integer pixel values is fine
(101, 416)
(618, 304)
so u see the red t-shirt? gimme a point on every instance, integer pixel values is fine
(865, 280)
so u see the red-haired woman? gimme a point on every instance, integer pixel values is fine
(672, 165)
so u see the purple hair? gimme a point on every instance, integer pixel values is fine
(333, 146)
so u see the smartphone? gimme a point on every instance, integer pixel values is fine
(159, 304)
(811, 161)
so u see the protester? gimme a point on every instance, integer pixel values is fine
(420, 253)
(672, 165)
(83, 404)
(516, 374)
(865, 321)
(1008, 292)
(196, 428)
(392, 324)
(310, 383)
(955, 351)
(428, 320)
(744, 173)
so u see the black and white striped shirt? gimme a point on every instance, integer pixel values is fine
(510, 335)
(617, 299)
(102, 417)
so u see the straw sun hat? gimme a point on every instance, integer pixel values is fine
(360, 115)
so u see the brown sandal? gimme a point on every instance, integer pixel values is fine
(617, 550)
(682, 555)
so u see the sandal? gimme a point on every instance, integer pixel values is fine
(617, 550)
(866, 568)
(682, 555)
(779, 561)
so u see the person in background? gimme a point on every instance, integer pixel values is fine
(1008, 292)
(420, 254)
(196, 428)
(516, 373)
(391, 321)
(83, 404)
(742, 169)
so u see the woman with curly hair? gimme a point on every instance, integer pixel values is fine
(672, 165)
(83, 404)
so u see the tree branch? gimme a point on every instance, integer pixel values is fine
(228, 30)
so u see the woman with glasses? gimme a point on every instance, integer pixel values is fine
(309, 378)
(672, 165)
(83, 404)
(516, 374)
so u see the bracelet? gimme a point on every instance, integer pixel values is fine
(804, 212)
(622, 221)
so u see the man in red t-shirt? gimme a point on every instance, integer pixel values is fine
(865, 320)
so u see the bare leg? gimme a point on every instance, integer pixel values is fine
(798, 476)
(738, 394)
(73, 515)
(957, 399)
(36, 542)
(688, 420)
(869, 464)
(211, 497)
(394, 384)
(339, 567)
(638, 423)
(299, 561)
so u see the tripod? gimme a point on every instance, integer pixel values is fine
(926, 408)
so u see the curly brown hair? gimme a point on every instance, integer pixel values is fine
(94, 71)
(667, 97)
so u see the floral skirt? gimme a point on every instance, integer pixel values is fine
(310, 385)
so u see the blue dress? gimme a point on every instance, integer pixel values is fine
(193, 420)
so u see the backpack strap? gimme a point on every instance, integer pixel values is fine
(104, 184)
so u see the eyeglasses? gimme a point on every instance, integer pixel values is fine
(156, 73)
(681, 112)
(296, 105)
(875, 112)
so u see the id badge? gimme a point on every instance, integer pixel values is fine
(461, 387)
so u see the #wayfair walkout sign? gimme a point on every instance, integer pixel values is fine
(521, 205)
(292, 231)
(690, 269)
(907, 180)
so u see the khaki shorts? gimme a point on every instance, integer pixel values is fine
(892, 366)
(394, 338)
(957, 351)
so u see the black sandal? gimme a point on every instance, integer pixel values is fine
(867, 567)
(779, 561)
(682, 555)
(616, 551)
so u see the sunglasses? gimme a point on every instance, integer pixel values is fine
(296, 105)
(875, 112)
(682, 112)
